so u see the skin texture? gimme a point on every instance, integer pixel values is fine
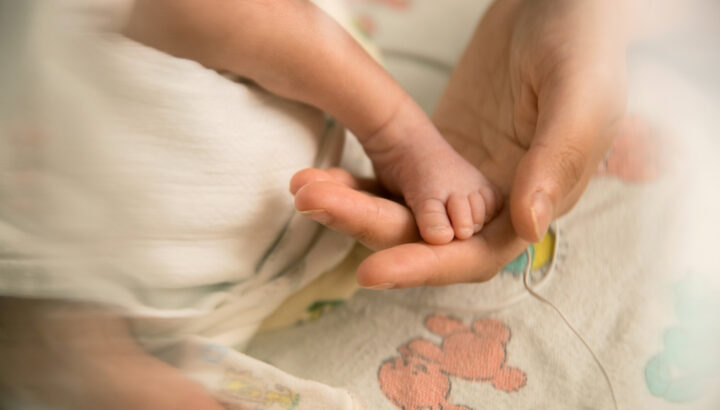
(294, 50)
(534, 103)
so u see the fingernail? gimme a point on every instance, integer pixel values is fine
(477, 227)
(318, 215)
(466, 232)
(541, 212)
(440, 228)
(381, 286)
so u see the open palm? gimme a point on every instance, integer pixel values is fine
(533, 103)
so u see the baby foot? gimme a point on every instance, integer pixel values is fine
(449, 197)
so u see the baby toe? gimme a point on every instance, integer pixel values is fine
(433, 222)
(461, 216)
(477, 207)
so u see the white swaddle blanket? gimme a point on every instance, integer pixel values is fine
(155, 184)
(149, 183)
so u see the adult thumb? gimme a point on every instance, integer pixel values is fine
(574, 130)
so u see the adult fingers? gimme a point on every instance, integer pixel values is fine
(375, 222)
(576, 120)
(384, 225)
(308, 175)
(419, 264)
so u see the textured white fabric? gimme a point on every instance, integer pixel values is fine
(154, 184)
(137, 180)
(604, 266)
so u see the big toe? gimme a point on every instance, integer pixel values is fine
(433, 222)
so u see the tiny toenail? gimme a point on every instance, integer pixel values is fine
(381, 286)
(466, 232)
(477, 227)
(318, 215)
(439, 228)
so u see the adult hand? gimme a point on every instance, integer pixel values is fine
(71, 356)
(338, 200)
(534, 104)
(536, 100)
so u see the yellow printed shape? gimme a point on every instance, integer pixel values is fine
(544, 251)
